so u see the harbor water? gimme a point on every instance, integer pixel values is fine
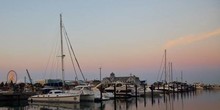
(197, 100)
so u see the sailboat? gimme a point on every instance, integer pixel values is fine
(84, 90)
(163, 86)
(57, 95)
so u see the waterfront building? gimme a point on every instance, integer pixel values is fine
(132, 79)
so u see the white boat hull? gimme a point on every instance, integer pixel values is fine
(55, 98)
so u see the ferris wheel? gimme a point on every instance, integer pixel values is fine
(12, 76)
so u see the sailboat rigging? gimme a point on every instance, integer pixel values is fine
(58, 95)
(85, 91)
(70, 48)
(162, 69)
(163, 85)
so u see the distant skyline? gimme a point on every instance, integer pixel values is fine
(125, 37)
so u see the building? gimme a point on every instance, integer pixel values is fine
(132, 79)
(50, 82)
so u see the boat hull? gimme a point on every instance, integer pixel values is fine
(55, 98)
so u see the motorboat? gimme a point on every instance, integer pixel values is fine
(121, 90)
(105, 95)
(85, 92)
(148, 91)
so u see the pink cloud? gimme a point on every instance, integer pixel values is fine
(192, 38)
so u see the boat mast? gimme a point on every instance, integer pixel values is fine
(62, 55)
(165, 66)
(171, 72)
(181, 76)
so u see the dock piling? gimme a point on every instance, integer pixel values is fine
(136, 94)
(164, 89)
(126, 90)
(152, 92)
(101, 93)
(114, 92)
(136, 91)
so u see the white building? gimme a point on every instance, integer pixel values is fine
(132, 79)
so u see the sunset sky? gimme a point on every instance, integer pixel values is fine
(121, 36)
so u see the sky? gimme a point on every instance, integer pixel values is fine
(127, 37)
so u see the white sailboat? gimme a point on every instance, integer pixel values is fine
(163, 86)
(57, 95)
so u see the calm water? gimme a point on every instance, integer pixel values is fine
(200, 100)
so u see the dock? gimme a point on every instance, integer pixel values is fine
(15, 96)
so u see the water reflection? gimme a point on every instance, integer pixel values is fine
(13, 105)
(67, 106)
(172, 101)
(199, 100)
(166, 102)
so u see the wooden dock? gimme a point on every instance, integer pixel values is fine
(15, 96)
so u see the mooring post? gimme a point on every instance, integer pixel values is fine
(187, 88)
(114, 92)
(18, 98)
(101, 106)
(163, 93)
(136, 91)
(164, 89)
(158, 86)
(181, 87)
(126, 90)
(177, 85)
(136, 94)
(144, 95)
(101, 93)
(114, 96)
(168, 88)
(195, 87)
(152, 92)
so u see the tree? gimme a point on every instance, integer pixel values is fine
(2, 84)
(38, 85)
(11, 84)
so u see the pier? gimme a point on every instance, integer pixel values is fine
(15, 96)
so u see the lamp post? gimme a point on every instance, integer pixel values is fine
(100, 69)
